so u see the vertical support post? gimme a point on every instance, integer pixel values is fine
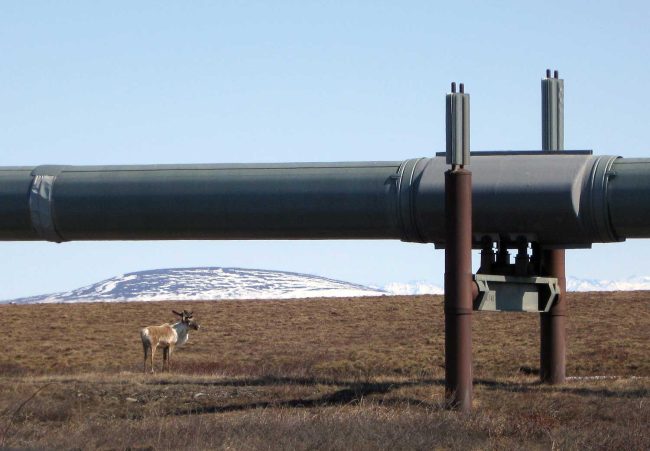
(552, 367)
(487, 256)
(553, 324)
(458, 255)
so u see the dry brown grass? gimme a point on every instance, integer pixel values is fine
(328, 373)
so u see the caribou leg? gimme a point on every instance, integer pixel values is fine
(153, 352)
(165, 358)
(169, 358)
(144, 366)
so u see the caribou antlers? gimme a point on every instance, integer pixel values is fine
(185, 315)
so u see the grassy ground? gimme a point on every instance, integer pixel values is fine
(363, 373)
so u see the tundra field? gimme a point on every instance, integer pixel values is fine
(355, 373)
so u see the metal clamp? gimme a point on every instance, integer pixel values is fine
(515, 294)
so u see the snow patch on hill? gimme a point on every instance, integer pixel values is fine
(413, 288)
(189, 284)
(630, 284)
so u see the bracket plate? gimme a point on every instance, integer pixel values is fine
(515, 294)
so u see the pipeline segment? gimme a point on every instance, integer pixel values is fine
(567, 200)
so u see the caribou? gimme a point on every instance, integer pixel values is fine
(167, 336)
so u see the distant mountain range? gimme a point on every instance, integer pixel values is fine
(630, 284)
(573, 284)
(210, 283)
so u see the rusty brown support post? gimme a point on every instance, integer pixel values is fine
(553, 323)
(458, 256)
(458, 288)
(552, 367)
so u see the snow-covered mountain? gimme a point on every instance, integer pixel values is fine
(411, 288)
(573, 284)
(238, 283)
(206, 284)
(629, 284)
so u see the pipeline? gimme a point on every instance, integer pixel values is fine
(567, 200)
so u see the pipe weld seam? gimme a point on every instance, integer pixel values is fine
(554, 313)
(459, 311)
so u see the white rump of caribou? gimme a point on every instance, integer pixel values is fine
(167, 336)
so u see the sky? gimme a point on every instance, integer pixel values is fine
(117, 82)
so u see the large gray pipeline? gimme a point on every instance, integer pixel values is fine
(558, 200)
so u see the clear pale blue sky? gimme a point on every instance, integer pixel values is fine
(110, 82)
